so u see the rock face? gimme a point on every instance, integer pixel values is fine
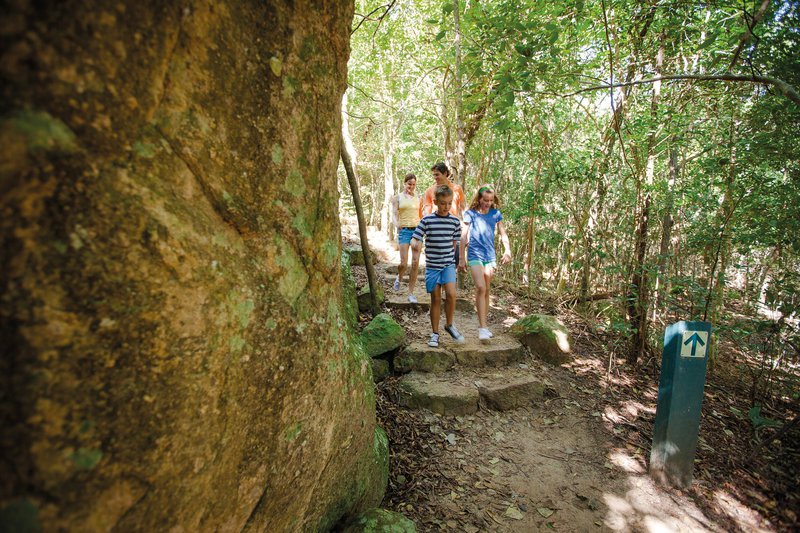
(382, 335)
(175, 352)
(545, 336)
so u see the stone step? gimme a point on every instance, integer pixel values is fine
(501, 350)
(457, 393)
(504, 394)
(399, 300)
(420, 357)
(425, 391)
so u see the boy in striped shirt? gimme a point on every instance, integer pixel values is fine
(441, 232)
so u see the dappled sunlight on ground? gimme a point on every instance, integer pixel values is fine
(738, 512)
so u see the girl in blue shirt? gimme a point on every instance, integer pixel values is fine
(480, 220)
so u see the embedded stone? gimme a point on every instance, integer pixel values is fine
(422, 358)
(546, 337)
(363, 297)
(423, 391)
(507, 395)
(357, 255)
(501, 350)
(380, 369)
(382, 335)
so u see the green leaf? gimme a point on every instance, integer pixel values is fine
(440, 35)
(432, 21)
(447, 8)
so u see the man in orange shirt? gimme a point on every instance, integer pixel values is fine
(442, 176)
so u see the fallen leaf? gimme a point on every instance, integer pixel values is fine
(451, 439)
(544, 511)
(494, 460)
(515, 513)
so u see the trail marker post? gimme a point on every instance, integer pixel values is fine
(680, 397)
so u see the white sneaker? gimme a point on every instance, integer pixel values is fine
(484, 334)
(434, 340)
(396, 284)
(412, 299)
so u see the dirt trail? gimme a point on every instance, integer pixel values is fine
(564, 463)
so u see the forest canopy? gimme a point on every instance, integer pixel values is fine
(646, 152)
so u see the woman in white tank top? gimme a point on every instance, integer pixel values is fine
(405, 215)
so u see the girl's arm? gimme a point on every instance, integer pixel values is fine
(462, 250)
(506, 244)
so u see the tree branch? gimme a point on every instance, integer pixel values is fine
(787, 90)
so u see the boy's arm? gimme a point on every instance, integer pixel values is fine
(506, 244)
(419, 234)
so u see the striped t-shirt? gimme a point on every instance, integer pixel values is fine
(439, 233)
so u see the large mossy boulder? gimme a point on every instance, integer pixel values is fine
(175, 351)
(382, 335)
(546, 337)
(380, 521)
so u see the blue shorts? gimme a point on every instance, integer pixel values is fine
(439, 277)
(404, 235)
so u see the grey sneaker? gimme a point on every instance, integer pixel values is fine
(451, 329)
(412, 299)
(484, 334)
(434, 340)
(396, 284)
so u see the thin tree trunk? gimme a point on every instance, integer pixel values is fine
(639, 296)
(461, 156)
(716, 289)
(659, 294)
(347, 161)
(388, 177)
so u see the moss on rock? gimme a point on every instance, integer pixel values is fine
(382, 335)
(546, 337)
(380, 521)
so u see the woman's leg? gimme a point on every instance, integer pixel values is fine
(401, 268)
(412, 275)
(478, 276)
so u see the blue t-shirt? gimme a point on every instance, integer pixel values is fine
(439, 233)
(481, 234)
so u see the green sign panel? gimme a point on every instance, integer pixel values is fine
(680, 397)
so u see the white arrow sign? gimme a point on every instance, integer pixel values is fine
(694, 344)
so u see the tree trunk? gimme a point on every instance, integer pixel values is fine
(461, 156)
(388, 177)
(362, 227)
(661, 288)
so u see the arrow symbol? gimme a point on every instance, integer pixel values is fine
(695, 340)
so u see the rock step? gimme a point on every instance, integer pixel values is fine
(501, 350)
(425, 391)
(458, 394)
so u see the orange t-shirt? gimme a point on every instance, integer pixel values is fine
(459, 201)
